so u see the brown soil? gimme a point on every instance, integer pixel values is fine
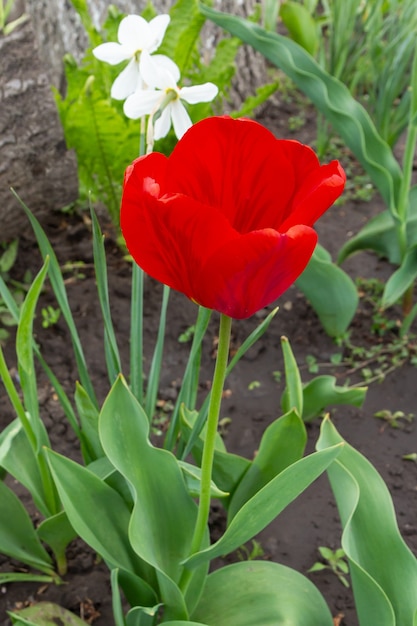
(311, 521)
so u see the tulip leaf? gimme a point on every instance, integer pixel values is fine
(294, 385)
(282, 444)
(300, 24)
(401, 279)
(57, 533)
(228, 468)
(321, 392)
(24, 352)
(88, 414)
(261, 592)
(18, 537)
(330, 291)
(164, 513)
(267, 504)
(382, 567)
(330, 96)
(83, 494)
(15, 446)
(46, 614)
(192, 477)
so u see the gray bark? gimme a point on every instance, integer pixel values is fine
(33, 156)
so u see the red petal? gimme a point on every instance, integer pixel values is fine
(170, 237)
(320, 190)
(252, 271)
(237, 166)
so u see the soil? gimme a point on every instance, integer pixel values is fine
(312, 520)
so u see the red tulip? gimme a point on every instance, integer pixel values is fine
(227, 218)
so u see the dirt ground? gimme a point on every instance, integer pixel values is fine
(312, 520)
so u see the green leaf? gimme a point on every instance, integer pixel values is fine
(331, 97)
(192, 477)
(83, 494)
(294, 385)
(228, 468)
(164, 514)
(14, 446)
(266, 505)
(401, 279)
(260, 592)
(88, 414)
(8, 257)
(182, 35)
(379, 560)
(24, 352)
(379, 235)
(301, 25)
(57, 533)
(57, 282)
(18, 537)
(330, 291)
(46, 614)
(18, 577)
(282, 444)
(322, 392)
(100, 265)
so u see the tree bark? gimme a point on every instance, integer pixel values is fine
(33, 156)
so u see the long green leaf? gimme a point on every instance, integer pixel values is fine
(24, 352)
(260, 592)
(18, 537)
(164, 514)
(331, 97)
(112, 351)
(57, 282)
(267, 504)
(83, 494)
(282, 444)
(15, 446)
(330, 291)
(382, 567)
(401, 279)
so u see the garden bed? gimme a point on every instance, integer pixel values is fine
(252, 400)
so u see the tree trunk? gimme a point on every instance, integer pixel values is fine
(33, 156)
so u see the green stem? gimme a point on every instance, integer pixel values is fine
(210, 438)
(136, 333)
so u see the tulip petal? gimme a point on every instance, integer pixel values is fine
(126, 82)
(237, 166)
(170, 237)
(111, 52)
(248, 273)
(318, 192)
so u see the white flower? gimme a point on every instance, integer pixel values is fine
(164, 94)
(135, 35)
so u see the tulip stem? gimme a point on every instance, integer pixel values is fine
(211, 432)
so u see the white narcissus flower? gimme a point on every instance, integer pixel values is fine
(164, 94)
(135, 36)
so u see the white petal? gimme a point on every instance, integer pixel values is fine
(158, 26)
(140, 103)
(199, 93)
(163, 123)
(155, 74)
(133, 32)
(111, 52)
(127, 81)
(180, 118)
(168, 64)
